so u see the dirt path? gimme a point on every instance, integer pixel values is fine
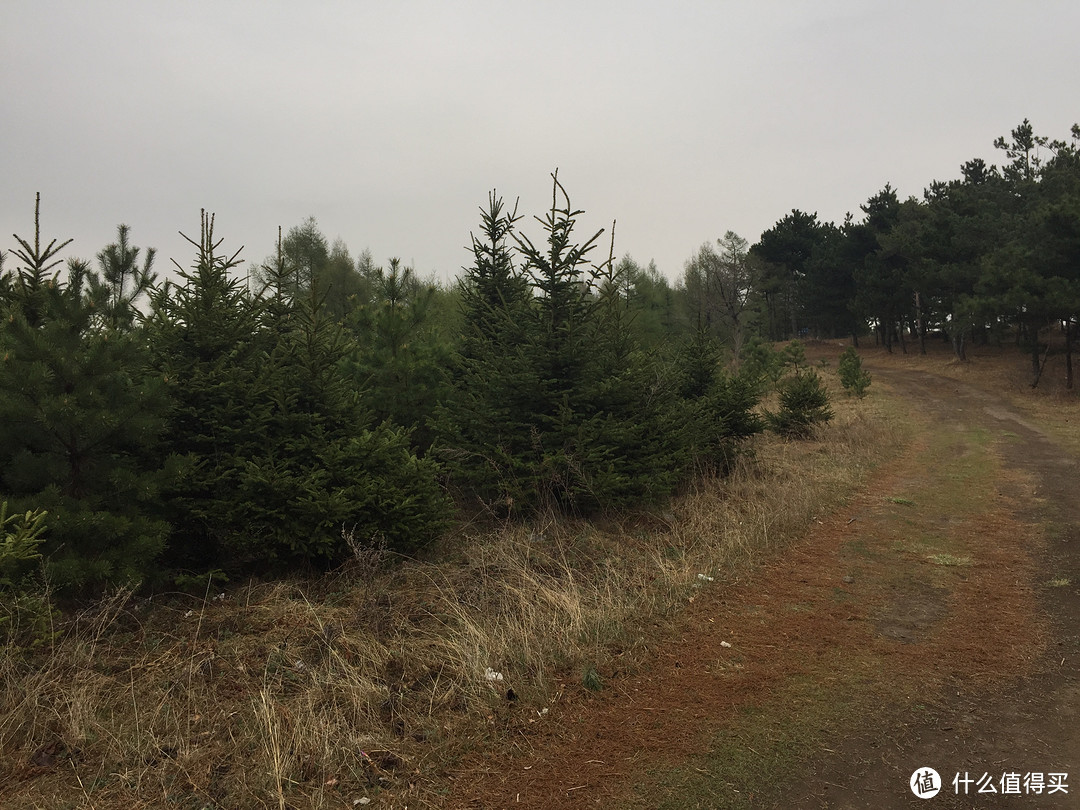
(1030, 722)
(933, 622)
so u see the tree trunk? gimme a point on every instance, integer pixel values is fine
(958, 345)
(1036, 366)
(1068, 354)
(920, 323)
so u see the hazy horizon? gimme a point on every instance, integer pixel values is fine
(391, 123)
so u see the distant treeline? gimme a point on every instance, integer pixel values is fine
(991, 255)
(249, 421)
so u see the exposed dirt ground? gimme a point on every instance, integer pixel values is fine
(933, 622)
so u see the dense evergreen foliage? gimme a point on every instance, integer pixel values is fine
(559, 402)
(80, 417)
(804, 404)
(281, 457)
(246, 424)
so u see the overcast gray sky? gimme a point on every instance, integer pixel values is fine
(389, 122)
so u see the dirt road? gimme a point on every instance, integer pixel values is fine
(934, 622)
(1021, 721)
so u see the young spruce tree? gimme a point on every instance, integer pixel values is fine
(485, 429)
(555, 405)
(80, 418)
(282, 462)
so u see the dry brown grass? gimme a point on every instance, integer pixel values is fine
(315, 693)
(1003, 370)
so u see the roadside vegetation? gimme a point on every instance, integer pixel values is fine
(277, 533)
(315, 691)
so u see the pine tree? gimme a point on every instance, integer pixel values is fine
(555, 405)
(635, 446)
(560, 351)
(485, 430)
(209, 346)
(400, 361)
(718, 406)
(332, 465)
(853, 376)
(125, 281)
(804, 403)
(80, 418)
(281, 456)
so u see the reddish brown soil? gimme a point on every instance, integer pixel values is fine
(966, 668)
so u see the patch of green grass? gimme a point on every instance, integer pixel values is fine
(592, 680)
(919, 543)
(858, 546)
(1059, 582)
(902, 501)
(747, 760)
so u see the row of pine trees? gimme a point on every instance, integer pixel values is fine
(252, 419)
(252, 422)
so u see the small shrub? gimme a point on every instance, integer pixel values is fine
(27, 620)
(794, 355)
(760, 361)
(804, 403)
(199, 583)
(852, 375)
(26, 616)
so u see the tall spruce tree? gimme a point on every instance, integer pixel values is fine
(209, 345)
(555, 404)
(485, 428)
(560, 351)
